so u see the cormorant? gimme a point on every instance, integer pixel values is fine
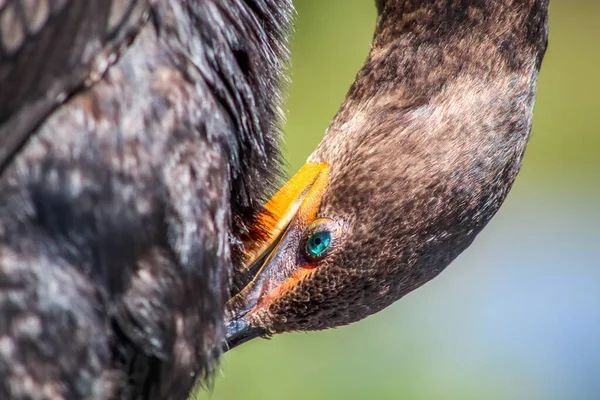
(137, 140)
(416, 162)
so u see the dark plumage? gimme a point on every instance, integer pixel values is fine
(417, 161)
(138, 139)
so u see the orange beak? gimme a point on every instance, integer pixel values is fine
(270, 269)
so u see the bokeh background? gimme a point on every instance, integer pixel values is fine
(517, 316)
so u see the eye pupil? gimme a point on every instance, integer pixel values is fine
(318, 243)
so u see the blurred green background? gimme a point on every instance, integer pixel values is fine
(517, 316)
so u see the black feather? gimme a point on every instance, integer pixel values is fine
(120, 216)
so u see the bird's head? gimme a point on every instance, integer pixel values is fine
(419, 158)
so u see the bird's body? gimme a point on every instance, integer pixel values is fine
(122, 215)
(148, 147)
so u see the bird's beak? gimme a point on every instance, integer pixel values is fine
(271, 268)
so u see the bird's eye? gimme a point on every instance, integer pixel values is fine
(321, 238)
(318, 243)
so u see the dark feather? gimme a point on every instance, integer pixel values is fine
(119, 216)
(49, 50)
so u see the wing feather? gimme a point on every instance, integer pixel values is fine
(51, 48)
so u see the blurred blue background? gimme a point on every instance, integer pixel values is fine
(516, 316)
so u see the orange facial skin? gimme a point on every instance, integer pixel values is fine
(287, 214)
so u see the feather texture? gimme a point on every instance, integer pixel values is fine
(119, 214)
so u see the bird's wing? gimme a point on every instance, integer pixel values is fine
(49, 49)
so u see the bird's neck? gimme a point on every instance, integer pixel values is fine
(440, 20)
(445, 77)
(421, 45)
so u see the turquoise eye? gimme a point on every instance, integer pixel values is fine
(318, 242)
(322, 238)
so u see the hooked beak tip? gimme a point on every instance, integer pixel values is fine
(238, 332)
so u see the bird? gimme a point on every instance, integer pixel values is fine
(418, 159)
(138, 140)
